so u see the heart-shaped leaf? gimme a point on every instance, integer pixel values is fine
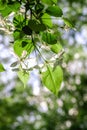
(52, 79)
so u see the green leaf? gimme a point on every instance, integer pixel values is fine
(52, 79)
(6, 11)
(9, 8)
(68, 23)
(18, 34)
(14, 6)
(23, 76)
(46, 19)
(21, 45)
(49, 2)
(49, 38)
(3, 4)
(56, 48)
(1, 68)
(18, 21)
(54, 11)
(38, 8)
(36, 26)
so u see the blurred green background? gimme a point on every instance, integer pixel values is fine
(35, 108)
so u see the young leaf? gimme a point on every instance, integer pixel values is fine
(21, 45)
(46, 19)
(52, 79)
(54, 11)
(14, 64)
(23, 76)
(56, 48)
(1, 68)
(68, 23)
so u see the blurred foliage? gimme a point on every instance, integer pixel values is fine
(20, 109)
